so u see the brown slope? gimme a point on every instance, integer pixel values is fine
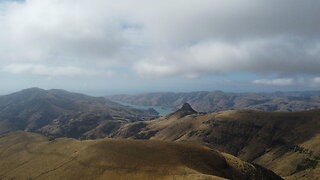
(62, 113)
(287, 143)
(32, 156)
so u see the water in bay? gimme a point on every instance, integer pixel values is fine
(161, 110)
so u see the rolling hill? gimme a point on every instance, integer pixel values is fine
(32, 156)
(287, 143)
(62, 113)
(216, 101)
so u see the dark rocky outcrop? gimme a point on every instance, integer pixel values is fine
(185, 110)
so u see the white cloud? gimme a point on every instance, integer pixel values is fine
(162, 38)
(38, 69)
(311, 82)
(62, 31)
(281, 55)
(160, 69)
(315, 82)
(275, 82)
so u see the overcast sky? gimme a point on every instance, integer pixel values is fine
(132, 46)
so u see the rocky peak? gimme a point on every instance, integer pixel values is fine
(187, 107)
(185, 110)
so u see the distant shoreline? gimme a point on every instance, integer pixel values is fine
(161, 110)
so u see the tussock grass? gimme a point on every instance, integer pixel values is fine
(31, 156)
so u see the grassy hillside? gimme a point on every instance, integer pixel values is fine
(287, 143)
(31, 156)
(62, 113)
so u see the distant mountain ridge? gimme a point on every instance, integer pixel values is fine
(288, 143)
(205, 101)
(62, 113)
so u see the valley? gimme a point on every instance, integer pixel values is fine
(64, 114)
(215, 101)
(159, 90)
(288, 143)
(161, 110)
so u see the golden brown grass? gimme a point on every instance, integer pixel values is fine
(280, 141)
(31, 156)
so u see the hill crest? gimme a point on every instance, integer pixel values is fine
(28, 155)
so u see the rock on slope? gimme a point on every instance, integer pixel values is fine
(31, 156)
(287, 143)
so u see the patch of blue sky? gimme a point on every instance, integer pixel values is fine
(3, 8)
(4, 5)
(4, 1)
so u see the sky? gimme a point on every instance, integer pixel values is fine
(134, 46)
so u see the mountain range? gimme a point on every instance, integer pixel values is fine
(205, 101)
(62, 113)
(288, 143)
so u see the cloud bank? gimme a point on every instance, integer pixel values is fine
(282, 56)
(162, 38)
(276, 82)
(38, 69)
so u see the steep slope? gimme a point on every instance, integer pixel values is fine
(32, 156)
(287, 143)
(62, 113)
(185, 110)
(216, 101)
